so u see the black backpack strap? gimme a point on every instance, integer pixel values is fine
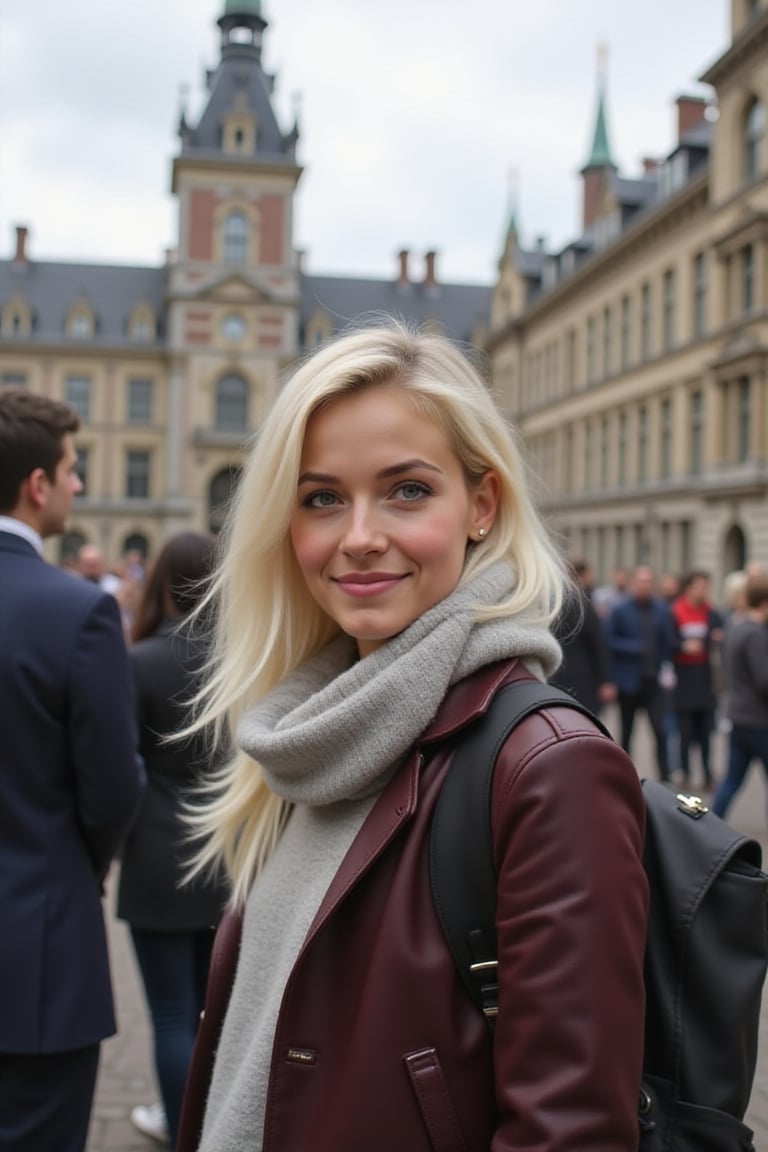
(461, 866)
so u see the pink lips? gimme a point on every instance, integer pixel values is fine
(367, 583)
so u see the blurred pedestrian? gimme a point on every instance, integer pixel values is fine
(71, 782)
(172, 924)
(698, 629)
(639, 639)
(746, 664)
(584, 670)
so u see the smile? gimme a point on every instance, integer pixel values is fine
(367, 584)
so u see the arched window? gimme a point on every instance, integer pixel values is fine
(136, 542)
(235, 238)
(735, 550)
(220, 492)
(69, 546)
(754, 130)
(232, 404)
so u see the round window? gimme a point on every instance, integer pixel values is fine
(234, 327)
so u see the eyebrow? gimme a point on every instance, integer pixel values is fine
(392, 470)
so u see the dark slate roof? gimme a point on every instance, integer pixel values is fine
(113, 291)
(239, 72)
(634, 193)
(529, 262)
(346, 300)
(700, 136)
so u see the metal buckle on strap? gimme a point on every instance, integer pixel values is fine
(692, 806)
(484, 966)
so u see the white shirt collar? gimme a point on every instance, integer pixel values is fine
(19, 528)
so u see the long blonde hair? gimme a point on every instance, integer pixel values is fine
(268, 623)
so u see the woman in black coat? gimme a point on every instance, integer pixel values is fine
(172, 924)
(584, 671)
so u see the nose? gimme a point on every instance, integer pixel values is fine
(363, 532)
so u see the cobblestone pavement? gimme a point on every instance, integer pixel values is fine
(126, 1074)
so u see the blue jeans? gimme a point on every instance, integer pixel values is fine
(746, 745)
(174, 970)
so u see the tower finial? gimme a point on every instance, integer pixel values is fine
(513, 200)
(600, 155)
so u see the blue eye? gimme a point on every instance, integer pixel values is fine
(322, 499)
(411, 490)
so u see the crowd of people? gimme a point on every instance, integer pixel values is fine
(259, 730)
(660, 646)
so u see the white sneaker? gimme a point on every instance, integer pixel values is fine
(149, 1119)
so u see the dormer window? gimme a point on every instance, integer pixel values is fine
(80, 325)
(16, 319)
(240, 133)
(142, 325)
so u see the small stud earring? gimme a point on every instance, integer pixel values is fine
(481, 532)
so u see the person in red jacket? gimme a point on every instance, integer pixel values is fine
(697, 628)
(384, 573)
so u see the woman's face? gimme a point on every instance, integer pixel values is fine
(383, 513)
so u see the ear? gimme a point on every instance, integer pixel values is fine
(34, 490)
(485, 503)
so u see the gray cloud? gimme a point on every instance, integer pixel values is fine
(413, 112)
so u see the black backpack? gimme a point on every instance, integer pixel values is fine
(707, 946)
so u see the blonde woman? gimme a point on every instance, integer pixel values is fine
(384, 573)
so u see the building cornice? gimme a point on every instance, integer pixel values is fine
(651, 226)
(750, 42)
(225, 165)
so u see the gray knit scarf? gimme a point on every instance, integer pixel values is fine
(329, 730)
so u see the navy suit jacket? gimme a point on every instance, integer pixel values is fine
(624, 637)
(71, 781)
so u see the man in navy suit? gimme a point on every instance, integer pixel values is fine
(638, 633)
(71, 783)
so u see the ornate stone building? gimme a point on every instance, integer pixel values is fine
(634, 359)
(172, 368)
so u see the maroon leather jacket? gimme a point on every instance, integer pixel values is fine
(377, 1044)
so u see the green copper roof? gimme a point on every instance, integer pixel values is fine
(600, 156)
(238, 7)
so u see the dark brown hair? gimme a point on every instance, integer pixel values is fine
(177, 581)
(757, 590)
(32, 429)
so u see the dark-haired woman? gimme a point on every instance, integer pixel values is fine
(172, 925)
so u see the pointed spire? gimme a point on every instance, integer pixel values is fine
(600, 156)
(513, 206)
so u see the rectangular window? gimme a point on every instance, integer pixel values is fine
(623, 446)
(699, 295)
(14, 380)
(747, 278)
(588, 455)
(569, 458)
(140, 401)
(645, 322)
(591, 357)
(686, 544)
(620, 560)
(82, 469)
(744, 419)
(669, 309)
(607, 342)
(570, 360)
(78, 396)
(137, 475)
(666, 438)
(697, 433)
(626, 331)
(605, 451)
(642, 445)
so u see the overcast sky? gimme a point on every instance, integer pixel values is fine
(413, 112)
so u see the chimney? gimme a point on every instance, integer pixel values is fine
(430, 274)
(650, 165)
(404, 279)
(691, 110)
(21, 245)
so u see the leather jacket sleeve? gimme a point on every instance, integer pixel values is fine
(572, 904)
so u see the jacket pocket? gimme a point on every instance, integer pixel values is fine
(434, 1100)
